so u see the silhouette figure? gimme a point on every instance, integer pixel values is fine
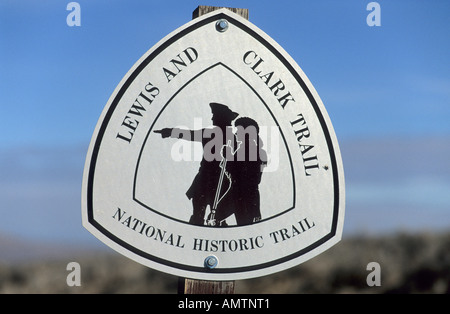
(230, 171)
(246, 172)
(212, 183)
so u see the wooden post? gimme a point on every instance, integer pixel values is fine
(192, 286)
(204, 9)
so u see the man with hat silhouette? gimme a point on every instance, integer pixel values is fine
(212, 182)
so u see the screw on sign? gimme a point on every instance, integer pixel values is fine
(215, 159)
(211, 262)
(222, 25)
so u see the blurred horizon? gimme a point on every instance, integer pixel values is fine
(45, 185)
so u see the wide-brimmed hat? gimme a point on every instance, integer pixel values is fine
(223, 111)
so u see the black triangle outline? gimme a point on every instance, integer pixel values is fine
(282, 212)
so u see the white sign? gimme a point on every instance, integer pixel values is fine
(214, 158)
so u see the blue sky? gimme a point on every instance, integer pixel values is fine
(386, 89)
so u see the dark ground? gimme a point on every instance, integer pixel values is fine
(410, 263)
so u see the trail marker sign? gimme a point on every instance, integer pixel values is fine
(214, 158)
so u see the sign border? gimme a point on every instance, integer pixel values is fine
(136, 70)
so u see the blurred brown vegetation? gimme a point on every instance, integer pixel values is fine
(410, 263)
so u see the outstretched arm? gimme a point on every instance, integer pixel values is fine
(164, 132)
(183, 134)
